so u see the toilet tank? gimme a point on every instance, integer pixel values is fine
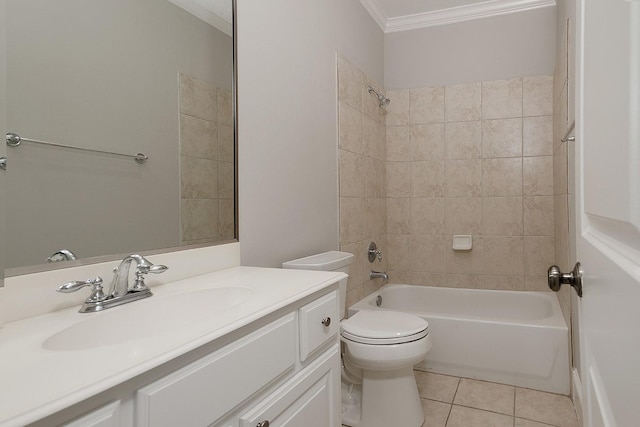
(326, 261)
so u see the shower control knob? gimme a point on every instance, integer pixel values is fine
(326, 321)
(264, 423)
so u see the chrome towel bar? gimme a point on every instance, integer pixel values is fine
(14, 140)
(568, 138)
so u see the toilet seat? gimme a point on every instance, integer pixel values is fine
(384, 327)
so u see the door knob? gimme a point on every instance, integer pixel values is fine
(557, 278)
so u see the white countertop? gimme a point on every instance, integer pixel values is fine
(36, 382)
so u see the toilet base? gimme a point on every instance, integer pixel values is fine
(390, 398)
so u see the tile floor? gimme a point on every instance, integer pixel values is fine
(461, 402)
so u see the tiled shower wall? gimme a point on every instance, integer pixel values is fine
(461, 159)
(472, 159)
(361, 151)
(206, 162)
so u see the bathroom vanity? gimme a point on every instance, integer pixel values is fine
(241, 346)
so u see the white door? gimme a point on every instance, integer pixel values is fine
(607, 179)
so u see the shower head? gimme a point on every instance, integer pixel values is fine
(382, 100)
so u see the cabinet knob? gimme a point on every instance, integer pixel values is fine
(264, 423)
(326, 321)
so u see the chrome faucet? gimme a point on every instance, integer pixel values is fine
(119, 292)
(62, 255)
(378, 274)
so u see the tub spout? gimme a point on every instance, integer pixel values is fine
(378, 274)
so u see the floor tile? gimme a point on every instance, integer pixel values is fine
(484, 395)
(554, 409)
(521, 422)
(436, 387)
(435, 413)
(468, 417)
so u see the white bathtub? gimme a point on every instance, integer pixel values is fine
(509, 337)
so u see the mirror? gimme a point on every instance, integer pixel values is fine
(121, 77)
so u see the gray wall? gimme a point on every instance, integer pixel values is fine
(496, 48)
(101, 74)
(288, 120)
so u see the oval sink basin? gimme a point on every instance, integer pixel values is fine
(144, 318)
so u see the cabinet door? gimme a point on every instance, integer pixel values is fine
(310, 399)
(204, 391)
(106, 416)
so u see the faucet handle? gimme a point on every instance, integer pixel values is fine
(141, 270)
(95, 283)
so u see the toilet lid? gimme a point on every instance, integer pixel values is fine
(384, 327)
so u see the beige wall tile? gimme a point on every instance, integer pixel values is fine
(398, 215)
(226, 188)
(375, 216)
(403, 277)
(225, 107)
(461, 416)
(198, 99)
(355, 295)
(503, 256)
(427, 216)
(560, 170)
(352, 174)
(199, 178)
(227, 218)
(502, 216)
(537, 176)
(426, 105)
(463, 140)
(373, 135)
(502, 177)
(427, 179)
(544, 407)
(397, 143)
(350, 83)
(465, 262)
(436, 387)
(351, 219)
(536, 284)
(428, 253)
(463, 215)
(373, 177)
(537, 136)
(463, 178)
(398, 256)
(538, 216)
(502, 99)
(504, 283)
(226, 144)
(502, 138)
(463, 102)
(199, 219)
(561, 231)
(485, 395)
(422, 278)
(198, 138)
(538, 255)
(398, 108)
(350, 128)
(465, 281)
(426, 142)
(399, 177)
(537, 95)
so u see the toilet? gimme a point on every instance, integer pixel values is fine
(379, 351)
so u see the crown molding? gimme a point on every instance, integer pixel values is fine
(451, 15)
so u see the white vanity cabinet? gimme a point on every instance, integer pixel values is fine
(282, 370)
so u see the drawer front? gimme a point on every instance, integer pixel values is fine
(319, 322)
(202, 392)
(311, 398)
(106, 416)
